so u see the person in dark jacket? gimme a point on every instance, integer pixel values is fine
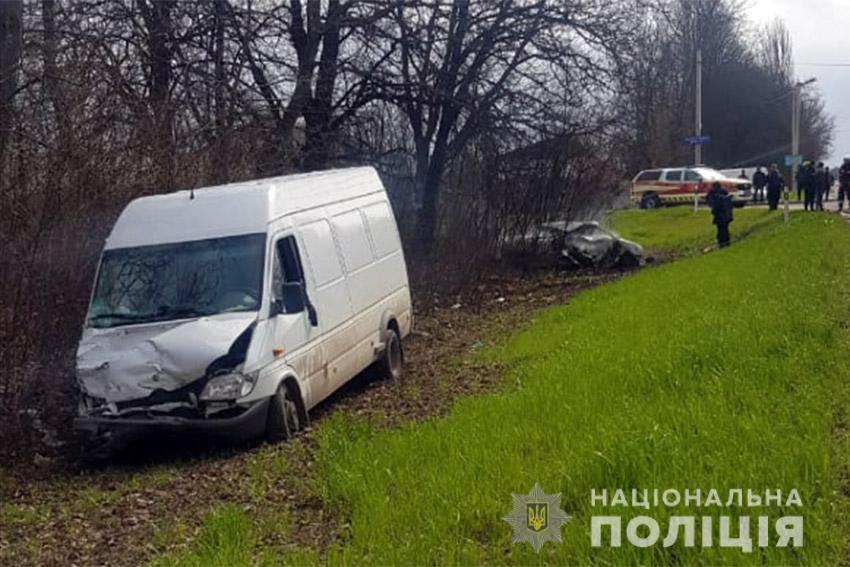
(759, 182)
(775, 183)
(810, 184)
(819, 181)
(801, 180)
(844, 184)
(830, 180)
(721, 211)
(805, 179)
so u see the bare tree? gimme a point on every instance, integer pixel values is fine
(11, 42)
(456, 68)
(775, 52)
(302, 81)
(746, 82)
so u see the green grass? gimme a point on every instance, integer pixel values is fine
(234, 535)
(725, 370)
(226, 539)
(680, 229)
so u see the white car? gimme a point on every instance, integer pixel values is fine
(653, 188)
(236, 309)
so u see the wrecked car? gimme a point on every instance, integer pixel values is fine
(236, 309)
(587, 244)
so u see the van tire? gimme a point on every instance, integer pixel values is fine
(390, 364)
(284, 419)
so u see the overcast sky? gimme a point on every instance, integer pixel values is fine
(820, 35)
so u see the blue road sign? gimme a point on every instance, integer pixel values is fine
(793, 160)
(698, 140)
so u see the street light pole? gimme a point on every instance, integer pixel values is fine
(698, 122)
(698, 117)
(795, 147)
(796, 104)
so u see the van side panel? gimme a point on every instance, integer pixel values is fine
(331, 289)
(356, 279)
(359, 238)
(382, 228)
(386, 244)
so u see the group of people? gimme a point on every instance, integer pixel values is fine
(814, 182)
(813, 185)
(771, 183)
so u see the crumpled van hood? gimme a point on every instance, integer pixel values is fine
(127, 363)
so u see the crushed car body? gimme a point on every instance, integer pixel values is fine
(586, 244)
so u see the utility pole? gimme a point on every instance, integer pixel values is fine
(698, 124)
(698, 120)
(795, 147)
(796, 108)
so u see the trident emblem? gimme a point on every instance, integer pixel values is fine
(538, 517)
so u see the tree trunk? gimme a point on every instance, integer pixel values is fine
(157, 15)
(318, 144)
(221, 170)
(51, 74)
(426, 222)
(11, 15)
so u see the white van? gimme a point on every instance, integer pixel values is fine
(236, 309)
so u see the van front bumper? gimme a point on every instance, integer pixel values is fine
(248, 424)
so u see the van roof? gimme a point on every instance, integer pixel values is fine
(236, 208)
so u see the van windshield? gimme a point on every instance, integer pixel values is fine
(178, 281)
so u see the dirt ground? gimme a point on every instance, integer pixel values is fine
(151, 499)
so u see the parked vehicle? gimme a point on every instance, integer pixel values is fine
(653, 188)
(588, 244)
(236, 309)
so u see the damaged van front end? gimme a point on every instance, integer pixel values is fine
(167, 339)
(185, 375)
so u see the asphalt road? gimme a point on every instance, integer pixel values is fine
(831, 206)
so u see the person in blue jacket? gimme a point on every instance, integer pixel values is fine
(721, 211)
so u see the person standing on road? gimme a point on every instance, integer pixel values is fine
(830, 179)
(820, 181)
(721, 211)
(801, 180)
(844, 184)
(759, 182)
(775, 183)
(810, 188)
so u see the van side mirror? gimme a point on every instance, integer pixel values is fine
(294, 300)
(293, 297)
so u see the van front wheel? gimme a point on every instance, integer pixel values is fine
(283, 420)
(390, 364)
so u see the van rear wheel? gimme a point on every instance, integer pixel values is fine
(390, 364)
(283, 421)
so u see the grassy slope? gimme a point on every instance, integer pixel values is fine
(680, 229)
(725, 370)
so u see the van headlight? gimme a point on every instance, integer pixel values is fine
(228, 386)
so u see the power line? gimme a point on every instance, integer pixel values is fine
(809, 64)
